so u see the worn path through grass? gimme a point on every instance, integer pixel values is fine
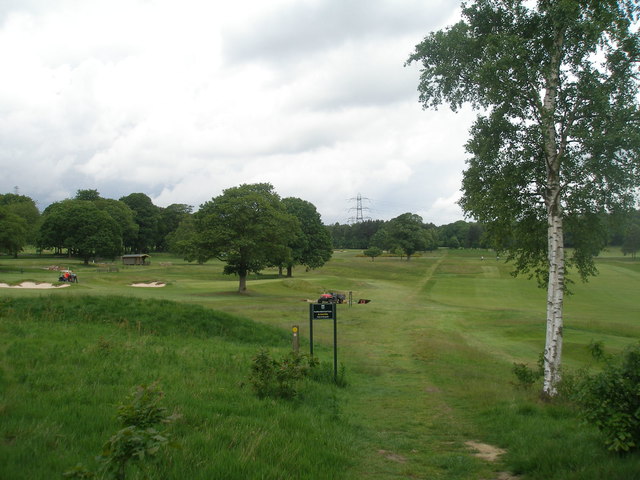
(414, 431)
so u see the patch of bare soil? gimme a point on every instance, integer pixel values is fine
(394, 457)
(506, 476)
(490, 454)
(486, 452)
(33, 285)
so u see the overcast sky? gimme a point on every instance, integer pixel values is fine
(182, 99)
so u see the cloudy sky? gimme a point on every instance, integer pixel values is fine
(182, 99)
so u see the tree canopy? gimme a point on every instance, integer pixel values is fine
(405, 232)
(372, 252)
(82, 228)
(25, 208)
(170, 218)
(147, 216)
(123, 216)
(556, 144)
(13, 232)
(246, 227)
(355, 235)
(312, 245)
(183, 241)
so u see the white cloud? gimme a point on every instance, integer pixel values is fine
(183, 99)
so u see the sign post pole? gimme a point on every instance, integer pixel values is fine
(325, 311)
(311, 330)
(335, 344)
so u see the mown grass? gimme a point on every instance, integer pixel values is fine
(428, 363)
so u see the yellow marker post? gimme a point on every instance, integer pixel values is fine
(296, 339)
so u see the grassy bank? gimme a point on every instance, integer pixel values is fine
(67, 363)
(428, 362)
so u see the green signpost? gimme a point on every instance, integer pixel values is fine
(325, 311)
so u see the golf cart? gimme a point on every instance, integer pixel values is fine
(68, 276)
(332, 298)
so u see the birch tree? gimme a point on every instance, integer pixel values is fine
(556, 141)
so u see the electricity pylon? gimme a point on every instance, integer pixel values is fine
(359, 218)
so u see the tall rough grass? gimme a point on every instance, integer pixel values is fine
(67, 362)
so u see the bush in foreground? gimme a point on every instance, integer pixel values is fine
(279, 378)
(611, 400)
(141, 440)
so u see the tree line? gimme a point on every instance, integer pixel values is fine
(393, 234)
(90, 226)
(248, 227)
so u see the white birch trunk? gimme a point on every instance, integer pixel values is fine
(555, 243)
(555, 299)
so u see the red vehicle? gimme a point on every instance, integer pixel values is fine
(68, 276)
(332, 298)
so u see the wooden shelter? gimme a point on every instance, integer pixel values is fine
(135, 259)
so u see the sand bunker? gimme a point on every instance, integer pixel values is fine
(150, 284)
(33, 285)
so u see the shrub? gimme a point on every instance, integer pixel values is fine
(597, 350)
(141, 438)
(273, 378)
(611, 400)
(527, 376)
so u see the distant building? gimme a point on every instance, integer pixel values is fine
(135, 259)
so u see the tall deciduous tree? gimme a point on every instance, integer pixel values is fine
(170, 218)
(243, 227)
(372, 252)
(147, 216)
(82, 228)
(312, 245)
(557, 142)
(13, 232)
(184, 241)
(25, 208)
(123, 216)
(405, 232)
(118, 210)
(90, 195)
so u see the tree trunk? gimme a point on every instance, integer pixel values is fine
(289, 271)
(555, 241)
(243, 282)
(555, 300)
